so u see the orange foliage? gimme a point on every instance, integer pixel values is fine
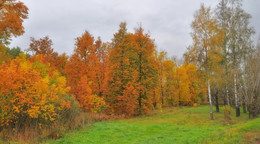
(28, 92)
(87, 100)
(43, 48)
(85, 72)
(12, 15)
(190, 88)
(131, 73)
(126, 75)
(120, 76)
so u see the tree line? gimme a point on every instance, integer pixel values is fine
(224, 49)
(127, 76)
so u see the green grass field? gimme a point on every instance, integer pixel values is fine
(174, 125)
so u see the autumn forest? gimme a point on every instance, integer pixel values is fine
(44, 94)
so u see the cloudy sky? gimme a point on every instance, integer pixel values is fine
(168, 21)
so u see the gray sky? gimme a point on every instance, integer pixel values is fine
(168, 21)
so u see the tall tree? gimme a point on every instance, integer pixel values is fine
(253, 83)
(85, 48)
(84, 70)
(222, 13)
(206, 49)
(147, 82)
(101, 63)
(237, 41)
(121, 75)
(161, 58)
(169, 68)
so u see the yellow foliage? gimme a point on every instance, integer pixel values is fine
(24, 92)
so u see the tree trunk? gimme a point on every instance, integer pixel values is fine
(236, 96)
(216, 98)
(162, 86)
(227, 96)
(251, 111)
(244, 107)
(162, 94)
(251, 115)
(154, 97)
(244, 103)
(140, 79)
(210, 101)
(244, 100)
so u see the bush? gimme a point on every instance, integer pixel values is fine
(227, 112)
(34, 102)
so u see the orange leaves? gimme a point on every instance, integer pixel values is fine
(12, 14)
(87, 99)
(131, 72)
(43, 51)
(85, 71)
(127, 103)
(14, 81)
(41, 46)
(28, 93)
(125, 77)
(85, 48)
(84, 93)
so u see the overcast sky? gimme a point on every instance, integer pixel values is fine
(168, 21)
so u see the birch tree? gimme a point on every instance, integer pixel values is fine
(237, 43)
(206, 49)
(253, 85)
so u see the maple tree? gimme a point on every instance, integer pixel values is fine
(43, 47)
(12, 14)
(85, 71)
(87, 99)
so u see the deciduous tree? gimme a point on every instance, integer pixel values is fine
(206, 50)
(12, 15)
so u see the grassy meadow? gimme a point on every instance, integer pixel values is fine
(173, 125)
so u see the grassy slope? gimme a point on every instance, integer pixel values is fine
(175, 125)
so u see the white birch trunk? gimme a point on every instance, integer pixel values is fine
(210, 101)
(227, 92)
(236, 95)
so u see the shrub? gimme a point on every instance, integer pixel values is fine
(227, 112)
(34, 99)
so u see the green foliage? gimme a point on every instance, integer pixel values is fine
(13, 52)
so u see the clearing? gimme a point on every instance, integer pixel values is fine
(172, 125)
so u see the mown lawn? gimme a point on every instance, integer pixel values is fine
(174, 125)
